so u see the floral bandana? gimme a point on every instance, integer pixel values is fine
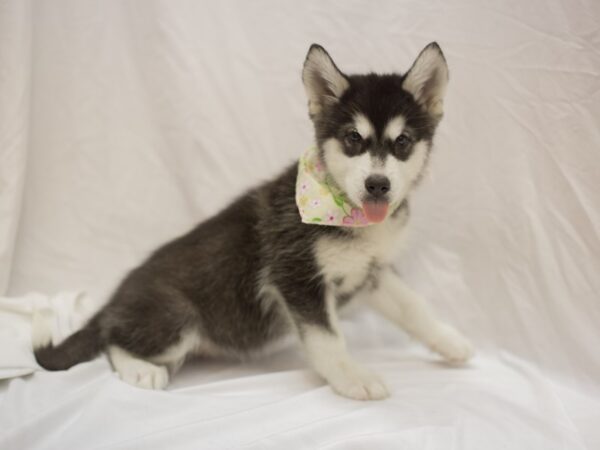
(319, 199)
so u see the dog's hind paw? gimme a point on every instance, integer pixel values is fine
(146, 375)
(138, 372)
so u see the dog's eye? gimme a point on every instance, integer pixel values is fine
(402, 147)
(402, 140)
(353, 137)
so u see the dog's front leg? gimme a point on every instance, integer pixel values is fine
(406, 308)
(325, 348)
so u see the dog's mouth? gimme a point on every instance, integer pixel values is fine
(375, 210)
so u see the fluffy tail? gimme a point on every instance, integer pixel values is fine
(81, 346)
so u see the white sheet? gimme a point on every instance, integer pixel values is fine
(124, 123)
(64, 313)
(496, 402)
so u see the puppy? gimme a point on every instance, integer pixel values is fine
(288, 254)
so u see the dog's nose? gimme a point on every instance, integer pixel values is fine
(377, 185)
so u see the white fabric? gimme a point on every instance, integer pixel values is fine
(64, 313)
(15, 100)
(275, 403)
(123, 123)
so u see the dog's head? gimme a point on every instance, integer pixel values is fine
(375, 132)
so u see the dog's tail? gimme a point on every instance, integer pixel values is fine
(81, 346)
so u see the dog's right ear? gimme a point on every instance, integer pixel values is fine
(323, 81)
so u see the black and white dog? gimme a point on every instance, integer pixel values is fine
(256, 271)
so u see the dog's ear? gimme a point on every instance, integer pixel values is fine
(323, 81)
(427, 79)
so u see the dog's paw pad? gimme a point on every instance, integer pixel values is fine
(452, 345)
(360, 385)
(144, 375)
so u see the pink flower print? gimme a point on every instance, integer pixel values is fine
(356, 217)
(303, 187)
(319, 166)
(330, 217)
(315, 203)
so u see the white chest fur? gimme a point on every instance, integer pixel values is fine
(346, 262)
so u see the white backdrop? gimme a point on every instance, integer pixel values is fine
(124, 123)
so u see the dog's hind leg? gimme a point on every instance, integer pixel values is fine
(154, 372)
(401, 305)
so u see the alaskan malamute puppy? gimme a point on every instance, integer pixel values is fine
(288, 254)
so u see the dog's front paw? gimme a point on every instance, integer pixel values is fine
(451, 344)
(359, 384)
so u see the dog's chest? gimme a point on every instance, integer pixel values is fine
(349, 263)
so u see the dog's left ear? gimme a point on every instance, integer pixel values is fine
(323, 81)
(427, 79)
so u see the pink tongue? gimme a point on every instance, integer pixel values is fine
(375, 211)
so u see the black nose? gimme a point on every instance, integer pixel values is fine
(377, 185)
